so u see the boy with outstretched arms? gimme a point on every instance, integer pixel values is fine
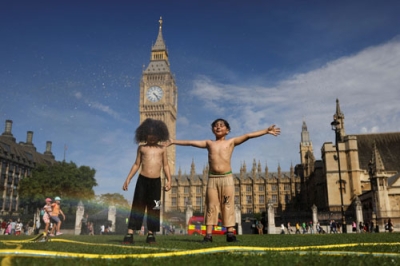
(220, 192)
(151, 158)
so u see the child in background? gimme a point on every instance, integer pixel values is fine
(56, 211)
(46, 216)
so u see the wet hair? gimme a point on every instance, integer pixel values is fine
(153, 127)
(223, 120)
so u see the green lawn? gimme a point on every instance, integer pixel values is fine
(338, 249)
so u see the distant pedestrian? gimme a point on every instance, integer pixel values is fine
(37, 226)
(84, 224)
(46, 216)
(18, 227)
(371, 227)
(289, 229)
(3, 226)
(361, 227)
(354, 227)
(298, 228)
(13, 225)
(310, 226)
(282, 229)
(260, 227)
(56, 211)
(303, 226)
(30, 227)
(390, 225)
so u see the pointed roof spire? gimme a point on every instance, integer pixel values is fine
(160, 44)
(338, 107)
(192, 168)
(305, 136)
(376, 160)
(339, 117)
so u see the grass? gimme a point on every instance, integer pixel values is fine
(176, 250)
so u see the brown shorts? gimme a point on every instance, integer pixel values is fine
(220, 197)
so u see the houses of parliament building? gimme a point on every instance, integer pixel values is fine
(363, 168)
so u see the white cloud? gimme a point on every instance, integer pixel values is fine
(366, 84)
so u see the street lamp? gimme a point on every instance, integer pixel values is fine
(374, 188)
(335, 127)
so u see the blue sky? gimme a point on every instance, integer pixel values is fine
(70, 72)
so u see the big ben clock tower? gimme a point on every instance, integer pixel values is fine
(158, 92)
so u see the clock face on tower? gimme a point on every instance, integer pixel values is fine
(154, 93)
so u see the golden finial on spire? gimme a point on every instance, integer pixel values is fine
(160, 22)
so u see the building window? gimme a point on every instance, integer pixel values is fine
(261, 199)
(249, 210)
(237, 189)
(186, 190)
(274, 187)
(248, 199)
(198, 201)
(248, 188)
(274, 198)
(261, 188)
(173, 201)
(173, 190)
(187, 201)
(287, 198)
(236, 199)
(286, 187)
(198, 190)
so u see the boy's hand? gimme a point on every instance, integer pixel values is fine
(125, 186)
(275, 131)
(167, 186)
(167, 143)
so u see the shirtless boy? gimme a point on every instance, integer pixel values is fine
(152, 158)
(220, 192)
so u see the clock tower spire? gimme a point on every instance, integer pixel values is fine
(159, 93)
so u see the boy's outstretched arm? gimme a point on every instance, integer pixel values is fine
(195, 143)
(272, 130)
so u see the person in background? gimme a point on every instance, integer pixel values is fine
(46, 217)
(3, 226)
(84, 224)
(354, 227)
(13, 225)
(260, 228)
(56, 211)
(37, 226)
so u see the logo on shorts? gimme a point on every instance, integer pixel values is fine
(226, 199)
(158, 204)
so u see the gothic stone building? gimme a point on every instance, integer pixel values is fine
(16, 162)
(370, 173)
(254, 189)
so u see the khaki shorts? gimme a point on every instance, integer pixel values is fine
(220, 198)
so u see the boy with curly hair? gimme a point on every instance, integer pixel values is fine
(151, 158)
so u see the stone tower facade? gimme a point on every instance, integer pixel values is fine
(159, 93)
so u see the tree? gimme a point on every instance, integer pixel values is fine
(62, 179)
(116, 199)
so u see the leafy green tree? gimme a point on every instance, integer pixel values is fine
(115, 199)
(62, 179)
